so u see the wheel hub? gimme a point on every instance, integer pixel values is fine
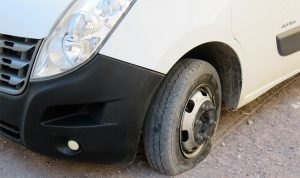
(198, 122)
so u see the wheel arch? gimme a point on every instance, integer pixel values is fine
(227, 63)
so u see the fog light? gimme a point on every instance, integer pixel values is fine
(73, 145)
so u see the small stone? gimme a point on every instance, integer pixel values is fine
(296, 105)
(270, 149)
(5, 142)
(239, 157)
(250, 122)
(272, 124)
(48, 164)
(223, 144)
(246, 113)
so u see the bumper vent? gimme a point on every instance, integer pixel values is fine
(10, 131)
(16, 60)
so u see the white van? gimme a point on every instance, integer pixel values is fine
(89, 79)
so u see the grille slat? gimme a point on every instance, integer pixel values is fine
(16, 60)
(11, 79)
(13, 62)
(19, 46)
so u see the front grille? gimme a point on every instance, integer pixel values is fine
(16, 60)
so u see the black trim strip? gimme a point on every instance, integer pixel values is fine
(289, 42)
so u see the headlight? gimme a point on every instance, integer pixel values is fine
(82, 30)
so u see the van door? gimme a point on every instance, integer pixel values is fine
(288, 38)
(256, 25)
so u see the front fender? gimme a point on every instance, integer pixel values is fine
(156, 34)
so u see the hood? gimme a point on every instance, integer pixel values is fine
(31, 18)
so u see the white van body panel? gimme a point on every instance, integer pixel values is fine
(156, 34)
(256, 29)
(31, 18)
(167, 30)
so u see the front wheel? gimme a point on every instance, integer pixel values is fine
(183, 117)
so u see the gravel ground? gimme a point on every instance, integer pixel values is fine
(260, 140)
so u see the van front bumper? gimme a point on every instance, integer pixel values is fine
(101, 106)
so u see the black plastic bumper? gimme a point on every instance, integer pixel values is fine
(101, 106)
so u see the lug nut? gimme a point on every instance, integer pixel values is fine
(206, 136)
(73, 145)
(198, 122)
(209, 107)
(199, 137)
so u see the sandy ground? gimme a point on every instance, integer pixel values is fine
(259, 140)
